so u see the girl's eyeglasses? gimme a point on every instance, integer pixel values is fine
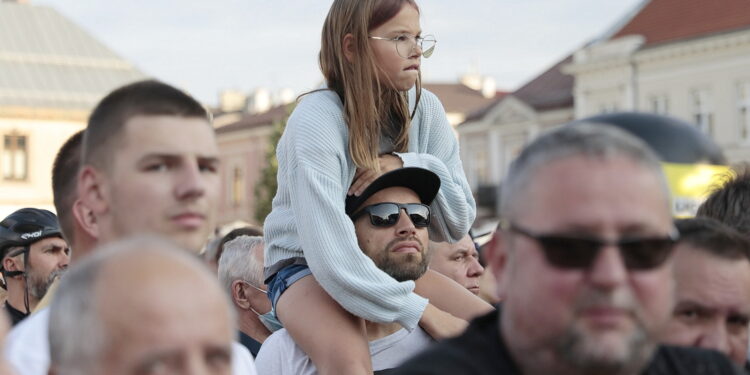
(405, 44)
(387, 214)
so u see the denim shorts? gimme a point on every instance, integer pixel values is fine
(282, 280)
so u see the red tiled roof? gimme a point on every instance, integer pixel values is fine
(550, 90)
(458, 98)
(249, 121)
(670, 20)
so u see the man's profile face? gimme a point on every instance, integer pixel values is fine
(459, 261)
(164, 179)
(399, 250)
(713, 303)
(601, 317)
(48, 259)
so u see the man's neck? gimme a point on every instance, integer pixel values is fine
(15, 298)
(251, 326)
(378, 331)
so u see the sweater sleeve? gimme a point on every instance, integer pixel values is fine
(454, 209)
(318, 179)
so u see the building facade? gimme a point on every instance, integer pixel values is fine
(684, 58)
(491, 138)
(52, 73)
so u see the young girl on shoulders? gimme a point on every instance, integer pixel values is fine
(373, 117)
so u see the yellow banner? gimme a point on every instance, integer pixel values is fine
(690, 184)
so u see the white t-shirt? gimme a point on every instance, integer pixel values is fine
(280, 355)
(27, 348)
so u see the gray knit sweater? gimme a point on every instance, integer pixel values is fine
(308, 219)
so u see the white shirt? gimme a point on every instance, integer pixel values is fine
(27, 348)
(280, 355)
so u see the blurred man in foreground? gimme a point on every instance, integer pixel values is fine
(587, 236)
(128, 300)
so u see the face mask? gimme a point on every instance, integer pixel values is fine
(268, 319)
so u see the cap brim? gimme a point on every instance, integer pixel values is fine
(423, 182)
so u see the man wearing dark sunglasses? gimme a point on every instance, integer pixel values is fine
(390, 219)
(583, 254)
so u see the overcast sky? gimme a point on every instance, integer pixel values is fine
(206, 46)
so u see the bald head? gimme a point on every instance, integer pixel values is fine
(130, 298)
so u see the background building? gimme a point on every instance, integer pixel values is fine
(492, 137)
(52, 73)
(685, 58)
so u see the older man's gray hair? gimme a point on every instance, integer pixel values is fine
(242, 260)
(588, 140)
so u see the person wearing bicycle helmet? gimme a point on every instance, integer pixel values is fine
(33, 255)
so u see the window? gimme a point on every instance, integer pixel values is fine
(238, 186)
(610, 107)
(480, 165)
(15, 157)
(743, 106)
(702, 112)
(659, 104)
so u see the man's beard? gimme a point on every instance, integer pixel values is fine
(583, 352)
(39, 285)
(404, 267)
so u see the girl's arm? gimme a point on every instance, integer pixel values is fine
(433, 146)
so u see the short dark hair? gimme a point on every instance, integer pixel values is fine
(65, 182)
(148, 98)
(730, 202)
(234, 233)
(713, 237)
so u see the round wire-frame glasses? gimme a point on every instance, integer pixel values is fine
(405, 44)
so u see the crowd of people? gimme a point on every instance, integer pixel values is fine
(366, 263)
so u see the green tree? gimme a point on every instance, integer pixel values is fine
(265, 189)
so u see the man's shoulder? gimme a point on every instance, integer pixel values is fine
(280, 355)
(27, 344)
(478, 351)
(33, 330)
(670, 360)
(242, 361)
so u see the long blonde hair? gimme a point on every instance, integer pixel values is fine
(368, 104)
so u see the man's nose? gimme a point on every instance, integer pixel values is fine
(608, 270)
(405, 226)
(714, 337)
(191, 182)
(475, 269)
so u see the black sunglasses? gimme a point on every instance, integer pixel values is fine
(387, 214)
(580, 252)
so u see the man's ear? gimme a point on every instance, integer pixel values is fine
(84, 217)
(348, 46)
(91, 190)
(497, 260)
(13, 263)
(239, 295)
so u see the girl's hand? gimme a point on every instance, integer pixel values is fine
(364, 177)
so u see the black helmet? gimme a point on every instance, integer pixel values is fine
(26, 226)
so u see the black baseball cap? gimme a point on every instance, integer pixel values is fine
(422, 181)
